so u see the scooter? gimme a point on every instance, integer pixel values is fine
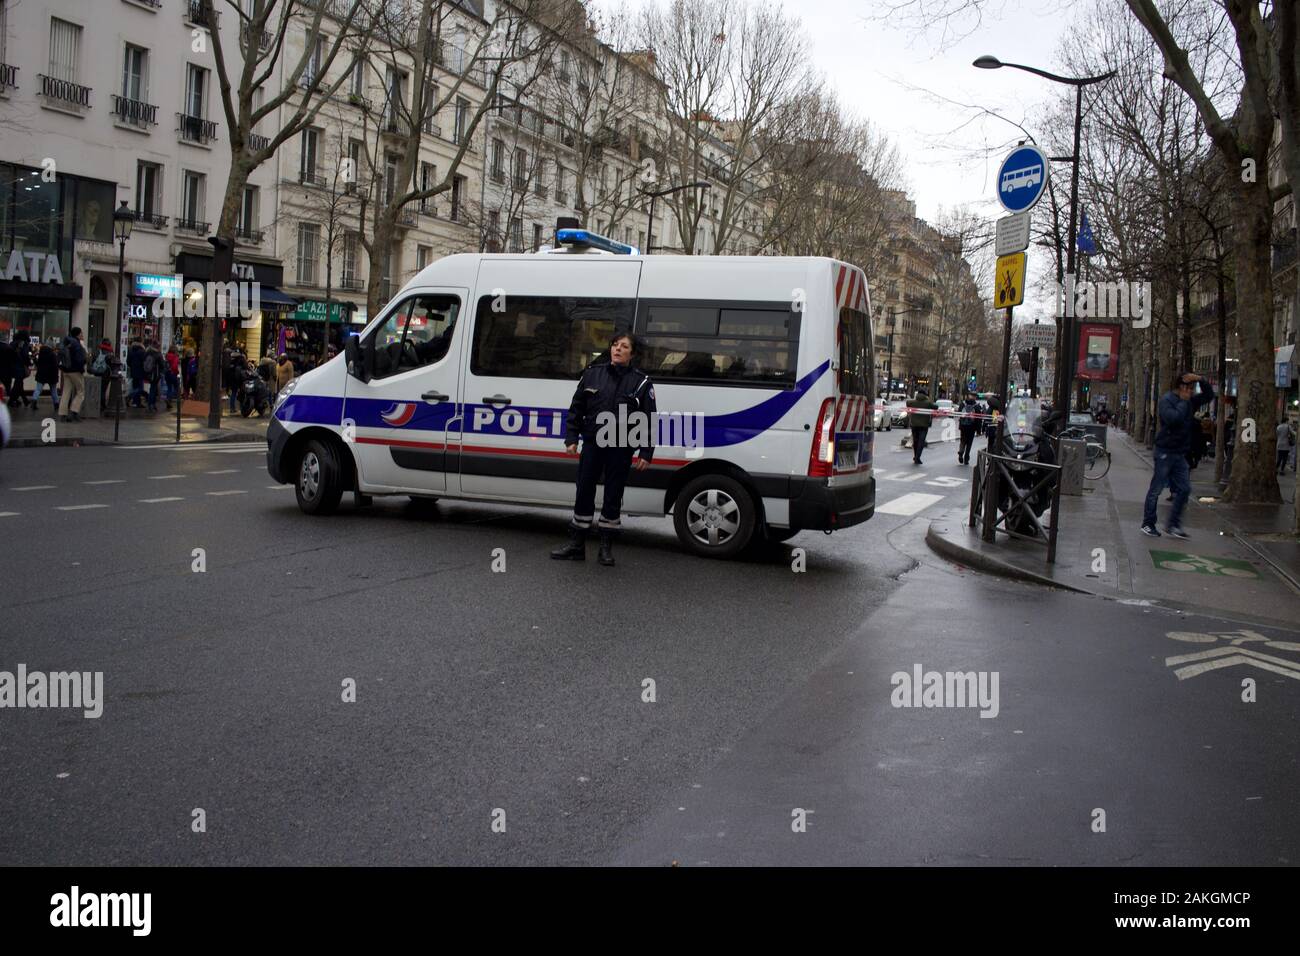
(254, 395)
(1024, 440)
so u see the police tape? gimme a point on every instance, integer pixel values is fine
(942, 413)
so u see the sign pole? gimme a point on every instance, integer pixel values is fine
(1006, 362)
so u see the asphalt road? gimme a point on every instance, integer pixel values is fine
(518, 696)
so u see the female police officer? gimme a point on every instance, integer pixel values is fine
(607, 443)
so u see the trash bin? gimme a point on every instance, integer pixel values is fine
(1073, 454)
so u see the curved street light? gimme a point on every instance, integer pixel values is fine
(650, 228)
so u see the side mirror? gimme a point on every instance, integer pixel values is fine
(353, 353)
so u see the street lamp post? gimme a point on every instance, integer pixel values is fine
(1065, 371)
(123, 220)
(650, 229)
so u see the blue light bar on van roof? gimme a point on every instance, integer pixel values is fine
(590, 240)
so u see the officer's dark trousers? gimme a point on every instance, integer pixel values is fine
(611, 463)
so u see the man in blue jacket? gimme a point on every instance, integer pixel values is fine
(1175, 414)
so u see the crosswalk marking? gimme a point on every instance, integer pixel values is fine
(154, 501)
(222, 471)
(161, 477)
(32, 488)
(106, 481)
(78, 507)
(902, 476)
(9, 514)
(908, 504)
(279, 487)
(198, 446)
(219, 493)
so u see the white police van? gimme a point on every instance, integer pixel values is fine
(763, 369)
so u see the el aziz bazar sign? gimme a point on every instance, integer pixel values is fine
(44, 267)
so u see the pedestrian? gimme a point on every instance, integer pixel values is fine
(968, 427)
(1285, 439)
(229, 369)
(266, 367)
(153, 372)
(918, 420)
(1175, 415)
(604, 388)
(8, 360)
(22, 367)
(135, 366)
(284, 372)
(72, 365)
(172, 375)
(47, 374)
(1196, 443)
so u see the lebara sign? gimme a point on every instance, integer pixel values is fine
(147, 283)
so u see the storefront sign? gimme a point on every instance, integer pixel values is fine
(313, 310)
(157, 285)
(31, 267)
(1098, 355)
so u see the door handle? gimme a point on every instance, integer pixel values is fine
(434, 397)
(495, 400)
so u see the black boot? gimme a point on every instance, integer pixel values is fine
(576, 549)
(606, 556)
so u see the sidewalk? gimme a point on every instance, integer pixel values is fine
(1241, 559)
(138, 427)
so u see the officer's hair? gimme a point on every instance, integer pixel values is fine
(624, 335)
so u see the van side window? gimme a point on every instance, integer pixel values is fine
(418, 332)
(716, 344)
(544, 336)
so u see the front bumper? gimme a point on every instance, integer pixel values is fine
(816, 505)
(277, 438)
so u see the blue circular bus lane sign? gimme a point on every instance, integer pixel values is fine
(1022, 179)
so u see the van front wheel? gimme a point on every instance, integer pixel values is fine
(319, 486)
(714, 516)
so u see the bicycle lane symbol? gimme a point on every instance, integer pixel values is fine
(1177, 561)
(1190, 665)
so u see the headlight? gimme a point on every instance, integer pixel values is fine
(285, 392)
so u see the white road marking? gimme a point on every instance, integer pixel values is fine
(222, 471)
(78, 507)
(219, 493)
(260, 449)
(197, 446)
(1227, 657)
(905, 476)
(154, 501)
(106, 481)
(279, 487)
(947, 481)
(9, 514)
(32, 488)
(161, 477)
(908, 504)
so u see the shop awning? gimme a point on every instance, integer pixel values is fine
(275, 300)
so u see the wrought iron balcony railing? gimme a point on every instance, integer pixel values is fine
(252, 237)
(148, 219)
(135, 112)
(351, 283)
(192, 225)
(8, 76)
(197, 15)
(258, 142)
(195, 129)
(74, 94)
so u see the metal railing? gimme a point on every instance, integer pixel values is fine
(150, 220)
(993, 474)
(135, 112)
(248, 34)
(192, 225)
(195, 129)
(351, 284)
(252, 237)
(258, 142)
(8, 76)
(310, 177)
(197, 15)
(406, 216)
(64, 91)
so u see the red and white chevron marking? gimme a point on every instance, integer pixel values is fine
(850, 288)
(853, 413)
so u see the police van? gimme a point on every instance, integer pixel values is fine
(763, 369)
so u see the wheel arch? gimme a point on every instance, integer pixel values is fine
(293, 450)
(710, 466)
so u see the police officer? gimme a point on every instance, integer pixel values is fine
(968, 426)
(607, 444)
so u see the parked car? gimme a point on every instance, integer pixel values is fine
(880, 417)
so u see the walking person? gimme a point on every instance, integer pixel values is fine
(47, 375)
(603, 388)
(172, 375)
(1176, 417)
(284, 372)
(919, 421)
(72, 364)
(22, 368)
(135, 366)
(153, 371)
(1285, 439)
(968, 427)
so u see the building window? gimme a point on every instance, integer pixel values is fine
(462, 120)
(308, 252)
(516, 235)
(521, 169)
(65, 50)
(310, 152)
(537, 236)
(134, 75)
(192, 201)
(457, 197)
(396, 98)
(196, 81)
(148, 189)
(422, 256)
(351, 245)
(390, 177)
(498, 161)
(352, 174)
(314, 62)
(358, 77)
(428, 178)
(247, 224)
(493, 233)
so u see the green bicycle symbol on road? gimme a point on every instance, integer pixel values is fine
(1177, 561)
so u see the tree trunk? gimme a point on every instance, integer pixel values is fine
(1221, 407)
(223, 265)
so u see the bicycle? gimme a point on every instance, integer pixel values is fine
(1096, 458)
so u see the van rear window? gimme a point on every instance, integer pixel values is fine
(857, 369)
(719, 343)
(544, 336)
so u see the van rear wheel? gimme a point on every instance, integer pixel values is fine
(320, 485)
(714, 516)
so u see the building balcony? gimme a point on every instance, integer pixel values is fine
(360, 102)
(262, 38)
(152, 4)
(351, 283)
(8, 77)
(248, 237)
(195, 14)
(257, 142)
(65, 92)
(147, 219)
(196, 226)
(135, 112)
(406, 217)
(432, 129)
(310, 177)
(499, 177)
(195, 129)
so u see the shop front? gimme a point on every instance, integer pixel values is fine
(259, 296)
(306, 334)
(33, 296)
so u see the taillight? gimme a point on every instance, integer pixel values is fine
(821, 457)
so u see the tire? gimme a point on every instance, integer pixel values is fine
(722, 512)
(319, 484)
(245, 409)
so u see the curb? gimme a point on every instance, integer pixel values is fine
(947, 548)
